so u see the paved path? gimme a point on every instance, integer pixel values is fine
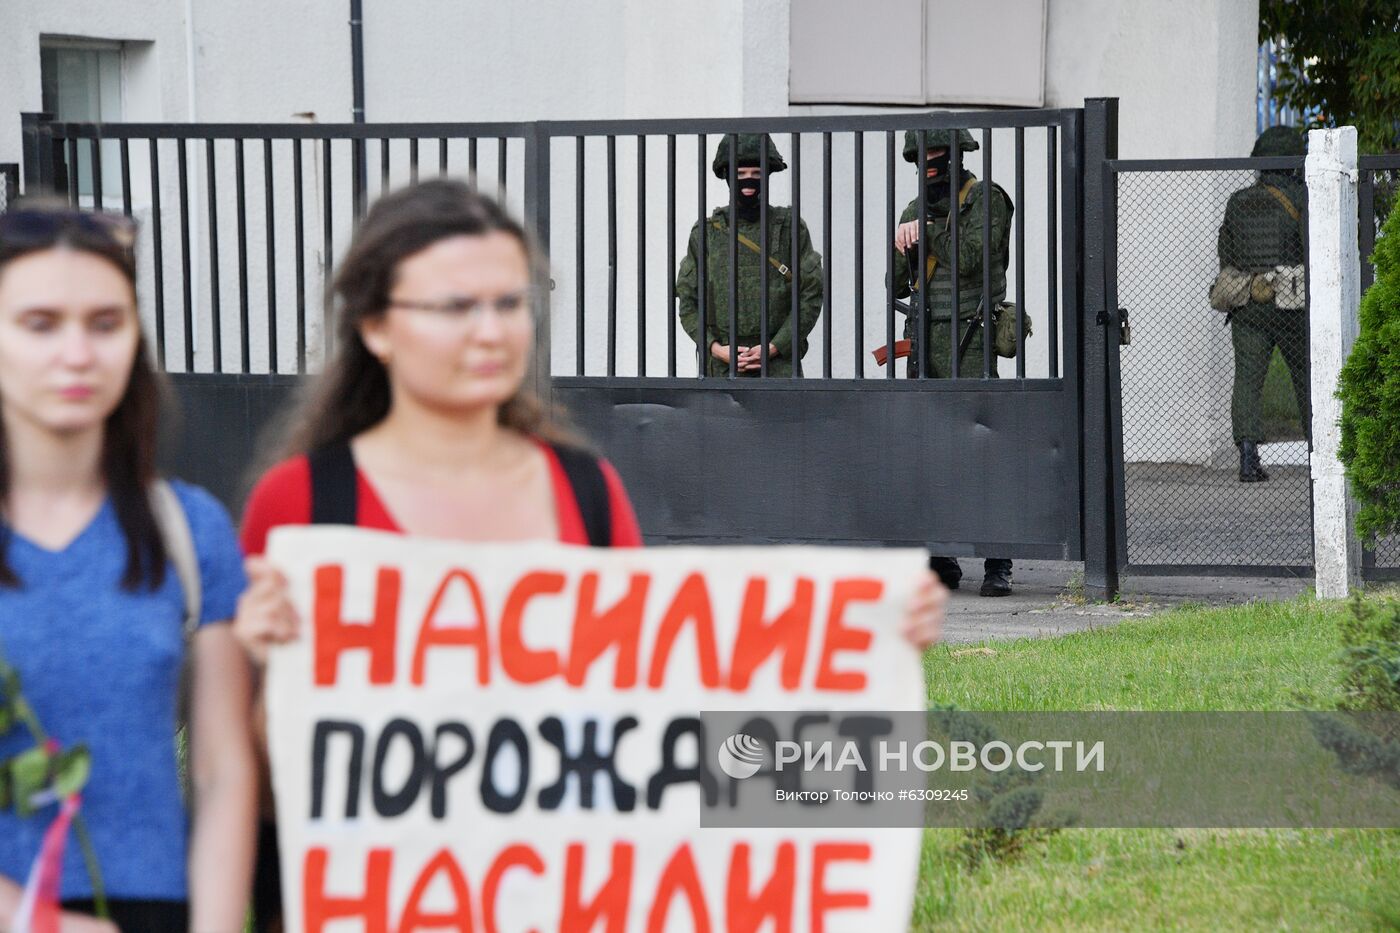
(1045, 601)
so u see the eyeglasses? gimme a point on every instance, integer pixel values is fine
(25, 227)
(513, 306)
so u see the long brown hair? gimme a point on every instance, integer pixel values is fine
(353, 393)
(129, 434)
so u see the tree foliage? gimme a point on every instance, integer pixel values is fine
(1370, 392)
(1340, 60)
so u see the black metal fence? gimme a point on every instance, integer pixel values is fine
(243, 224)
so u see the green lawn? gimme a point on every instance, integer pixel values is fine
(1265, 656)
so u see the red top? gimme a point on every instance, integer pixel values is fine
(283, 497)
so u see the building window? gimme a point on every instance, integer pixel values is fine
(82, 83)
(917, 52)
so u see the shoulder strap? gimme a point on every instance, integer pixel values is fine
(963, 193)
(1282, 198)
(749, 244)
(179, 547)
(590, 491)
(334, 489)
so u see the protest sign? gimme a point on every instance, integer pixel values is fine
(506, 737)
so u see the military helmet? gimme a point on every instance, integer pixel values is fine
(933, 139)
(1280, 141)
(749, 154)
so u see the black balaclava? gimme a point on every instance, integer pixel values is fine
(747, 205)
(937, 187)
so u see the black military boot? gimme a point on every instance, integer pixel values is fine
(1251, 469)
(996, 577)
(948, 570)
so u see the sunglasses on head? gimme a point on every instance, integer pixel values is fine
(24, 227)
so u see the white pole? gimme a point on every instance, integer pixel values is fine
(1334, 297)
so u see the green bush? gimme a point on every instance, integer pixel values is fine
(1370, 394)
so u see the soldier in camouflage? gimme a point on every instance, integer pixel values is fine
(934, 170)
(1263, 233)
(787, 339)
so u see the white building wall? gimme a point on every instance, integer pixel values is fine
(1184, 72)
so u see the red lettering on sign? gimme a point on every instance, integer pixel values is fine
(462, 636)
(744, 913)
(318, 907)
(757, 638)
(517, 856)
(610, 903)
(690, 604)
(334, 634)
(521, 664)
(840, 638)
(679, 877)
(595, 631)
(824, 900)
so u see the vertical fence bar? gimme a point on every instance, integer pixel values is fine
(73, 171)
(763, 255)
(95, 154)
(889, 253)
(1020, 252)
(298, 205)
(186, 284)
(358, 180)
(124, 149)
(795, 259)
(988, 192)
(612, 255)
(826, 256)
(157, 254)
(327, 322)
(501, 169)
(858, 253)
(733, 176)
(1366, 196)
(271, 258)
(702, 344)
(413, 160)
(442, 155)
(954, 221)
(671, 255)
(1052, 239)
(920, 268)
(579, 265)
(641, 255)
(471, 163)
(215, 328)
(383, 165)
(538, 147)
(242, 206)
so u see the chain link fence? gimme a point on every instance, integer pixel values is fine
(1199, 383)
(9, 184)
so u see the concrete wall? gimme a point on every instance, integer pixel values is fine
(1184, 72)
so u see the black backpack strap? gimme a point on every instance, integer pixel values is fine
(590, 491)
(334, 491)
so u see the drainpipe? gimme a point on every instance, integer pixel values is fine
(357, 108)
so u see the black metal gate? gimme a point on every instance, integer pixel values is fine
(242, 224)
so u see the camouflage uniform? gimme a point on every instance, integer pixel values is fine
(939, 252)
(996, 579)
(1258, 235)
(789, 341)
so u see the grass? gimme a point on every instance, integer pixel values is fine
(1264, 656)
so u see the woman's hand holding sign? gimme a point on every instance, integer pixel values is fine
(923, 613)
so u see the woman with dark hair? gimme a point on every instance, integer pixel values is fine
(423, 423)
(101, 567)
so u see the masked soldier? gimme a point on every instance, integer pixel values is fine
(1261, 288)
(935, 166)
(787, 339)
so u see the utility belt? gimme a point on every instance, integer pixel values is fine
(1004, 337)
(1285, 287)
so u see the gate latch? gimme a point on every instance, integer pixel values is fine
(1125, 330)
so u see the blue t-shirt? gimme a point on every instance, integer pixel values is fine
(100, 665)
